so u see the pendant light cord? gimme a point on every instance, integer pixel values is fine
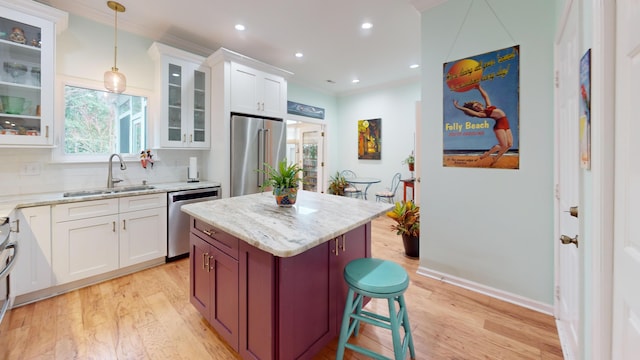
(115, 44)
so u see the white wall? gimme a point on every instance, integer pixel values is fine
(396, 106)
(491, 227)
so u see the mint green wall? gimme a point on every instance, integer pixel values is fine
(491, 226)
(395, 104)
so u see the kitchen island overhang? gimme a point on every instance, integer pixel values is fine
(269, 279)
(286, 231)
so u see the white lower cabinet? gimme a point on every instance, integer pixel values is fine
(94, 237)
(33, 268)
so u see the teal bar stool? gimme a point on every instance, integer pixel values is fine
(382, 279)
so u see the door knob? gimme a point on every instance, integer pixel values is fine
(569, 240)
(573, 211)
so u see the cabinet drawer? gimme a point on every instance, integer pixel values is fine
(141, 202)
(84, 209)
(216, 237)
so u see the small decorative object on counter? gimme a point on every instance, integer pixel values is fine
(284, 180)
(146, 158)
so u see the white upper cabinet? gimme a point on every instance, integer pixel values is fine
(184, 83)
(27, 54)
(256, 92)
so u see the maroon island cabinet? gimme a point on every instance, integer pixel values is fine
(270, 307)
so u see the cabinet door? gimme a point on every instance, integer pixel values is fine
(200, 110)
(224, 309)
(174, 102)
(143, 236)
(33, 271)
(186, 104)
(26, 82)
(84, 248)
(244, 89)
(200, 293)
(274, 96)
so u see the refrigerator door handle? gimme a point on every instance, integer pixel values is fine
(260, 164)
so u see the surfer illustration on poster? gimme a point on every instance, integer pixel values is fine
(480, 111)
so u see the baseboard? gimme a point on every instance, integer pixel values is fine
(489, 291)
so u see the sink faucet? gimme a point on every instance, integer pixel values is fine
(110, 180)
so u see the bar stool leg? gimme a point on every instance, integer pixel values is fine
(344, 328)
(407, 326)
(395, 329)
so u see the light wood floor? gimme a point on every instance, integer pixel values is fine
(147, 315)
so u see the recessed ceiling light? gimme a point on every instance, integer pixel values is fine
(299, 54)
(240, 27)
(414, 66)
(367, 25)
(355, 81)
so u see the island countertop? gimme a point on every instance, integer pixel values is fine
(286, 231)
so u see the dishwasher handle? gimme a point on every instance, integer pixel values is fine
(187, 195)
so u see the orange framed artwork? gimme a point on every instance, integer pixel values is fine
(369, 135)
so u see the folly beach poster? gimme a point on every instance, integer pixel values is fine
(481, 110)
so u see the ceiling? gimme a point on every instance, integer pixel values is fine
(327, 32)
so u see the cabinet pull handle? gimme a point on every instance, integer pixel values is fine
(258, 107)
(46, 131)
(114, 227)
(124, 224)
(335, 250)
(17, 222)
(344, 242)
(184, 137)
(190, 138)
(210, 258)
(263, 106)
(205, 263)
(209, 232)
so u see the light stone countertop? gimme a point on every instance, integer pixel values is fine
(286, 231)
(9, 203)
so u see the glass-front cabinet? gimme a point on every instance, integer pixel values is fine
(27, 48)
(184, 86)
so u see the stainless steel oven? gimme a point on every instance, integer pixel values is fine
(8, 255)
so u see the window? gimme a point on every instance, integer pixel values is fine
(97, 123)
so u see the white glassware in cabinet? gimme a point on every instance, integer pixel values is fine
(27, 53)
(184, 82)
(256, 92)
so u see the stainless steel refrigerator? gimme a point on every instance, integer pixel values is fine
(254, 141)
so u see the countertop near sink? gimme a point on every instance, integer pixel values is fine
(9, 203)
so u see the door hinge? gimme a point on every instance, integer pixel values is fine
(557, 292)
(557, 79)
(557, 191)
(322, 134)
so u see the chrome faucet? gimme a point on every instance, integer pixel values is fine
(110, 180)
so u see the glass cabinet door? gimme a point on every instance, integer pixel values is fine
(199, 106)
(20, 81)
(174, 103)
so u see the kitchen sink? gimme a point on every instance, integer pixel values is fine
(104, 191)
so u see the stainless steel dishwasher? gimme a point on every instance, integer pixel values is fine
(178, 221)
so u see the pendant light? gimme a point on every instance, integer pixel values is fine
(115, 81)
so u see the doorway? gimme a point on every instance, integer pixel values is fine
(305, 146)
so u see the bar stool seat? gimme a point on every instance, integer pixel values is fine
(376, 278)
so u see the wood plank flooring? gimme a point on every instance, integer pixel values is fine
(147, 315)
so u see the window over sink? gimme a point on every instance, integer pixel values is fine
(94, 123)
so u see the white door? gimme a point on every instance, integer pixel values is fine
(626, 289)
(568, 256)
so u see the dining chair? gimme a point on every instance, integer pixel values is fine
(390, 193)
(351, 190)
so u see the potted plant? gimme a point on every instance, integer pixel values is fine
(410, 160)
(337, 184)
(284, 180)
(407, 218)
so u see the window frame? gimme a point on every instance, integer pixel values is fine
(58, 154)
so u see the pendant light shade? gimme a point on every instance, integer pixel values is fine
(115, 81)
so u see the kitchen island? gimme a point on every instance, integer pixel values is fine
(269, 279)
